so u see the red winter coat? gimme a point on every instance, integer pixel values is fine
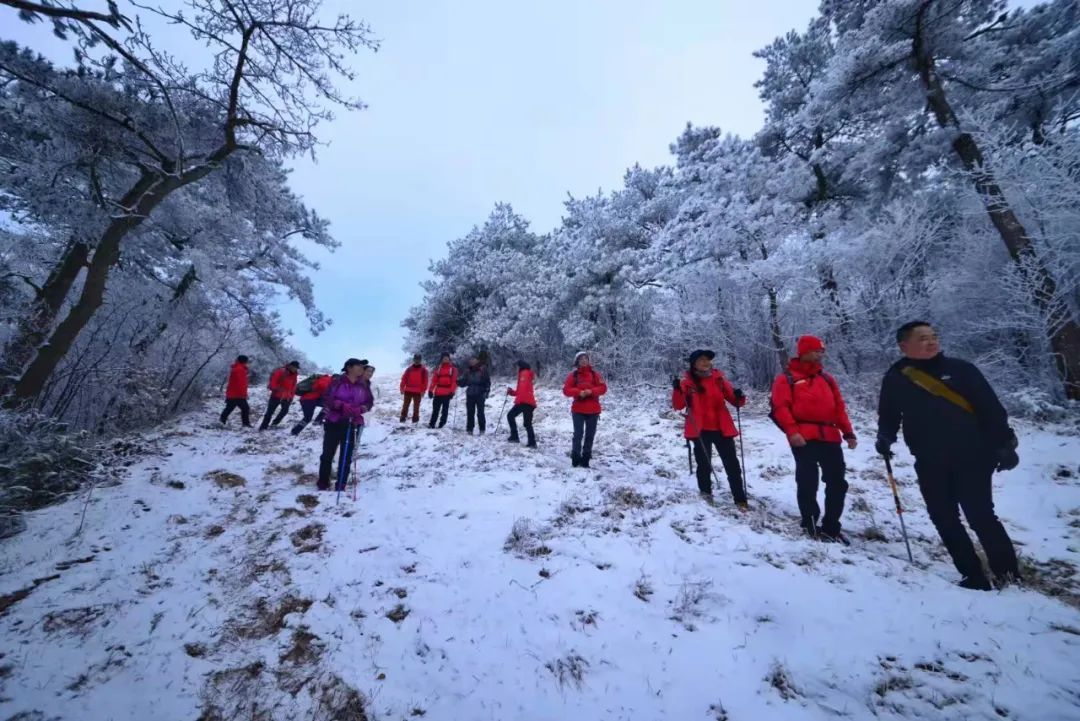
(708, 406)
(414, 379)
(582, 379)
(283, 384)
(444, 380)
(810, 404)
(524, 391)
(318, 388)
(238, 382)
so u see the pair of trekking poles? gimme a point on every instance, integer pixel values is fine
(343, 468)
(742, 459)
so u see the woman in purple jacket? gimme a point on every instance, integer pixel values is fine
(346, 401)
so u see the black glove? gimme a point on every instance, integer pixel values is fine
(676, 383)
(739, 395)
(430, 394)
(884, 447)
(1007, 459)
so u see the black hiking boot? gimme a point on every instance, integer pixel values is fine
(575, 461)
(975, 583)
(531, 444)
(513, 439)
(832, 537)
(585, 462)
(707, 496)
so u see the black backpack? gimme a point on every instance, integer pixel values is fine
(306, 385)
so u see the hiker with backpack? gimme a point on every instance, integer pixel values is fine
(808, 407)
(524, 405)
(477, 384)
(311, 391)
(704, 392)
(959, 433)
(585, 386)
(441, 390)
(346, 401)
(414, 381)
(282, 387)
(236, 392)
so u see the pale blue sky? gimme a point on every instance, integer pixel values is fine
(478, 101)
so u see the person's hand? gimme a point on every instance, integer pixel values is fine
(796, 440)
(884, 448)
(509, 391)
(588, 392)
(431, 394)
(676, 383)
(740, 397)
(852, 442)
(1007, 459)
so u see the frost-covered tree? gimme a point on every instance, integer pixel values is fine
(130, 127)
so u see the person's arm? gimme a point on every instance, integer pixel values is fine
(568, 388)
(600, 387)
(404, 375)
(992, 416)
(842, 419)
(889, 413)
(729, 393)
(678, 394)
(781, 403)
(331, 402)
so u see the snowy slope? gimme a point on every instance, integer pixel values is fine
(475, 580)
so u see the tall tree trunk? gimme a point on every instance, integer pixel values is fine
(34, 327)
(774, 329)
(1062, 328)
(144, 196)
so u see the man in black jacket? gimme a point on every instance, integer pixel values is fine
(959, 433)
(477, 384)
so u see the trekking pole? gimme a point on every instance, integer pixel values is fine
(343, 467)
(742, 454)
(689, 456)
(499, 420)
(899, 508)
(356, 457)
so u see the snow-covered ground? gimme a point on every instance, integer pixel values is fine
(477, 580)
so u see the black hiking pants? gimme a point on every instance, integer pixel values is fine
(242, 404)
(829, 457)
(526, 412)
(729, 456)
(584, 433)
(951, 485)
(335, 436)
(440, 408)
(272, 406)
(308, 407)
(474, 413)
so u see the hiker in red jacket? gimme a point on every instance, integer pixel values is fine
(282, 389)
(441, 390)
(704, 392)
(236, 392)
(808, 407)
(524, 405)
(414, 381)
(312, 399)
(585, 386)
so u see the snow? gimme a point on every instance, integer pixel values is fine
(532, 590)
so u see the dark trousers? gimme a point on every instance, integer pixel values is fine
(474, 413)
(729, 456)
(242, 404)
(270, 408)
(308, 407)
(949, 486)
(413, 398)
(440, 407)
(334, 437)
(526, 412)
(584, 428)
(829, 457)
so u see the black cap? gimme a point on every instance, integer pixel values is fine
(293, 364)
(417, 356)
(699, 353)
(352, 362)
(523, 365)
(241, 359)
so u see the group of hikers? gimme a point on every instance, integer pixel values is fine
(953, 423)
